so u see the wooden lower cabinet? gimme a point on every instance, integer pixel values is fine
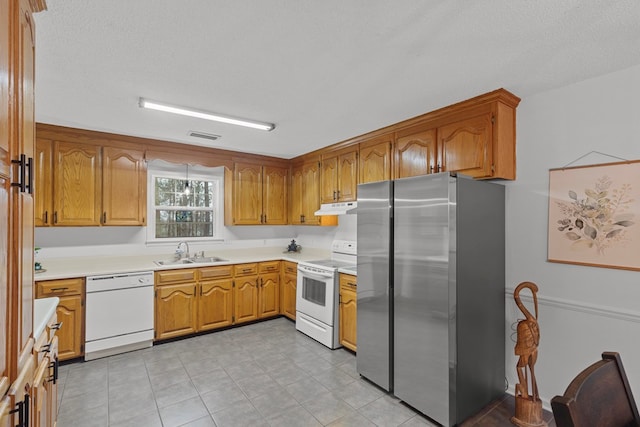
(41, 395)
(70, 313)
(288, 288)
(348, 311)
(175, 310)
(215, 304)
(245, 294)
(269, 295)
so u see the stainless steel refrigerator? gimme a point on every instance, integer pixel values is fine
(431, 301)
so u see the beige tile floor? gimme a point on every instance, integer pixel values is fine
(264, 374)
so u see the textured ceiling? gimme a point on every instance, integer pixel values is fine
(321, 70)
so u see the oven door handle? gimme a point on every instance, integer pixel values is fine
(314, 275)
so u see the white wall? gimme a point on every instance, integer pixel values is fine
(583, 310)
(94, 241)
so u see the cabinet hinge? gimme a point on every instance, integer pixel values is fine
(233, 319)
(318, 164)
(82, 302)
(493, 118)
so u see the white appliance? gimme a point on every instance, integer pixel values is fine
(119, 315)
(317, 293)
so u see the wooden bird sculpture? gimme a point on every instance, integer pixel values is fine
(528, 403)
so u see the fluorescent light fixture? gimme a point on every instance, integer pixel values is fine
(161, 106)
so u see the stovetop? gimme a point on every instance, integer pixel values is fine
(332, 263)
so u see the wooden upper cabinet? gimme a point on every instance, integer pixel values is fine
(259, 194)
(274, 195)
(329, 179)
(415, 152)
(465, 146)
(375, 159)
(339, 176)
(43, 200)
(247, 194)
(76, 184)
(311, 193)
(296, 196)
(124, 182)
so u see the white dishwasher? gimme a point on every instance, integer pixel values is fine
(119, 313)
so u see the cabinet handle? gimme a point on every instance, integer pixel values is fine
(439, 168)
(56, 326)
(55, 217)
(46, 217)
(338, 194)
(265, 218)
(104, 217)
(59, 289)
(54, 365)
(257, 282)
(30, 167)
(22, 165)
(246, 270)
(431, 169)
(334, 195)
(22, 408)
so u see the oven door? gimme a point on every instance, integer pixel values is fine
(316, 295)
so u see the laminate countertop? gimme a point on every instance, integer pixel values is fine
(82, 266)
(43, 309)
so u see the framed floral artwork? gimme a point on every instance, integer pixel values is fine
(594, 214)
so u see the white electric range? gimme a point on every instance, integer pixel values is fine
(317, 293)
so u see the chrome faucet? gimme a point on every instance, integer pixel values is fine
(181, 253)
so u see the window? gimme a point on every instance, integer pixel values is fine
(174, 214)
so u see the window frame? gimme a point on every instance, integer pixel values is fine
(196, 173)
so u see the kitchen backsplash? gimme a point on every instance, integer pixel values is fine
(58, 242)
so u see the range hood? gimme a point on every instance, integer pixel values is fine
(337, 208)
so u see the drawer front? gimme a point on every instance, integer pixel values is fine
(290, 267)
(246, 269)
(175, 276)
(269, 267)
(220, 272)
(65, 287)
(348, 280)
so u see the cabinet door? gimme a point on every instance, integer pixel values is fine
(41, 399)
(311, 193)
(347, 176)
(5, 407)
(465, 146)
(348, 317)
(269, 295)
(70, 312)
(21, 387)
(23, 144)
(289, 284)
(124, 182)
(215, 306)
(415, 154)
(329, 180)
(77, 185)
(375, 160)
(296, 195)
(5, 186)
(6, 113)
(274, 195)
(43, 199)
(247, 194)
(246, 299)
(175, 310)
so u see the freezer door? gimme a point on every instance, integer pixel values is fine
(374, 252)
(421, 293)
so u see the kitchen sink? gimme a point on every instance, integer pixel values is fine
(207, 259)
(174, 262)
(192, 260)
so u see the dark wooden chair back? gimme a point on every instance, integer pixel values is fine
(599, 396)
